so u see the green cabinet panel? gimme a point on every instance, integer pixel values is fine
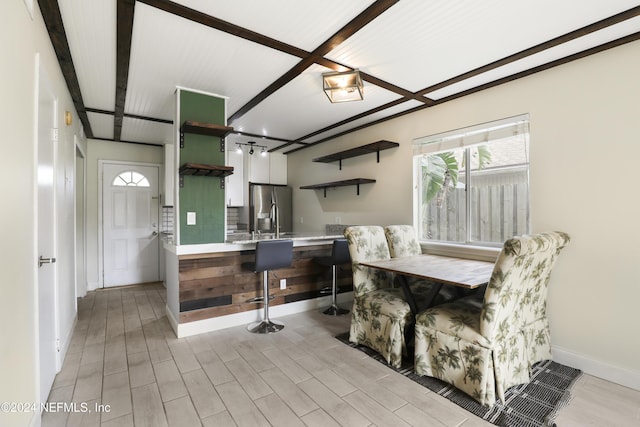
(201, 194)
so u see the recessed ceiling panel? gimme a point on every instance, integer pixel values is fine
(101, 125)
(146, 131)
(169, 51)
(368, 119)
(613, 32)
(416, 44)
(90, 26)
(302, 107)
(303, 24)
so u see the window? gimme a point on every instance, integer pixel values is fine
(472, 185)
(130, 179)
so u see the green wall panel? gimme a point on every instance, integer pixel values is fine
(201, 194)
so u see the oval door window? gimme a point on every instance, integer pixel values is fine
(130, 179)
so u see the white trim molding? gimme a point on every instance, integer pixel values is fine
(246, 317)
(597, 368)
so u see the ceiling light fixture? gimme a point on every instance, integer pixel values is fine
(251, 145)
(343, 86)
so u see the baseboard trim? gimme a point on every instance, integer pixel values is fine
(236, 319)
(92, 286)
(597, 368)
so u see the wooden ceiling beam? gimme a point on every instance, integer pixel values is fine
(125, 11)
(368, 15)
(55, 27)
(615, 19)
(224, 26)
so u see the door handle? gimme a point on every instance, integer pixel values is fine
(42, 261)
(155, 233)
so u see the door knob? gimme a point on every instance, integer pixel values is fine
(155, 233)
(42, 260)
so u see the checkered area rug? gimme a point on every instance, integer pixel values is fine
(526, 405)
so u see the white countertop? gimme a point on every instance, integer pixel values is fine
(242, 244)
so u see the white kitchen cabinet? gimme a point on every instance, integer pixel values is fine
(277, 168)
(235, 182)
(258, 168)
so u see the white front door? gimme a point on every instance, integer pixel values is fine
(47, 139)
(130, 224)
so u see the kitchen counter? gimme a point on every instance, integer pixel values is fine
(246, 238)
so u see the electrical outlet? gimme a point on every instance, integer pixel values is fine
(283, 283)
(191, 218)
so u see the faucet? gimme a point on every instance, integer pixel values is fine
(276, 216)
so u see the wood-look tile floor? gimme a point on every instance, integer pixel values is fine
(124, 354)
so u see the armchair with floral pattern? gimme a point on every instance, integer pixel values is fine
(379, 313)
(485, 350)
(403, 241)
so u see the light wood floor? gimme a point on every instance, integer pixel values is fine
(124, 354)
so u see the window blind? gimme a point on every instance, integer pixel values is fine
(477, 134)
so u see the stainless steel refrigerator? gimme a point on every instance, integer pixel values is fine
(264, 200)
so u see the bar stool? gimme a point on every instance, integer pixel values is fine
(339, 255)
(270, 255)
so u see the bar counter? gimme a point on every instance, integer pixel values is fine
(208, 288)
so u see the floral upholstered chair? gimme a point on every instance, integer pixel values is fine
(379, 313)
(403, 241)
(485, 350)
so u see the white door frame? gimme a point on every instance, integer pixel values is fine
(83, 261)
(101, 164)
(40, 76)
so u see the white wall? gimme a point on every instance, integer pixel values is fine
(584, 152)
(18, 310)
(107, 150)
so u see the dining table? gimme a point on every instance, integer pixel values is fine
(437, 270)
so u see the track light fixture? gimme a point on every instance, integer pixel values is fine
(251, 145)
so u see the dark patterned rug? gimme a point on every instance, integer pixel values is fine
(527, 405)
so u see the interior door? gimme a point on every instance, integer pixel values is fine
(130, 224)
(47, 333)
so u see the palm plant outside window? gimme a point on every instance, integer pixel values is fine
(472, 185)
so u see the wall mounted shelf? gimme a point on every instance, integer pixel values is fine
(208, 129)
(344, 183)
(374, 147)
(197, 169)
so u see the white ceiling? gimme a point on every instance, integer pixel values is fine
(413, 45)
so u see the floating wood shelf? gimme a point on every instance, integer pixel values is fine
(344, 183)
(374, 147)
(200, 128)
(198, 169)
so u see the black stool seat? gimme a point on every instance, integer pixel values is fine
(339, 255)
(270, 255)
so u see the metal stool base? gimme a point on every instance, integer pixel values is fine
(265, 327)
(334, 310)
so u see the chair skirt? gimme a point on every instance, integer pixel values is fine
(378, 321)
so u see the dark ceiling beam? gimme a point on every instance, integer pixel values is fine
(368, 15)
(224, 26)
(125, 10)
(340, 123)
(55, 27)
(597, 49)
(130, 142)
(615, 19)
(271, 138)
(131, 116)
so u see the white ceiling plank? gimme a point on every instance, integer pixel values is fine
(101, 125)
(416, 44)
(90, 26)
(146, 131)
(169, 51)
(303, 24)
(302, 107)
(365, 120)
(611, 33)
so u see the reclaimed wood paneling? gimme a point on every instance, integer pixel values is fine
(224, 278)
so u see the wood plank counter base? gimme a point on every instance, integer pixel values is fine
(213, 285)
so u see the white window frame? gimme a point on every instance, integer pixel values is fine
(460, 138)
